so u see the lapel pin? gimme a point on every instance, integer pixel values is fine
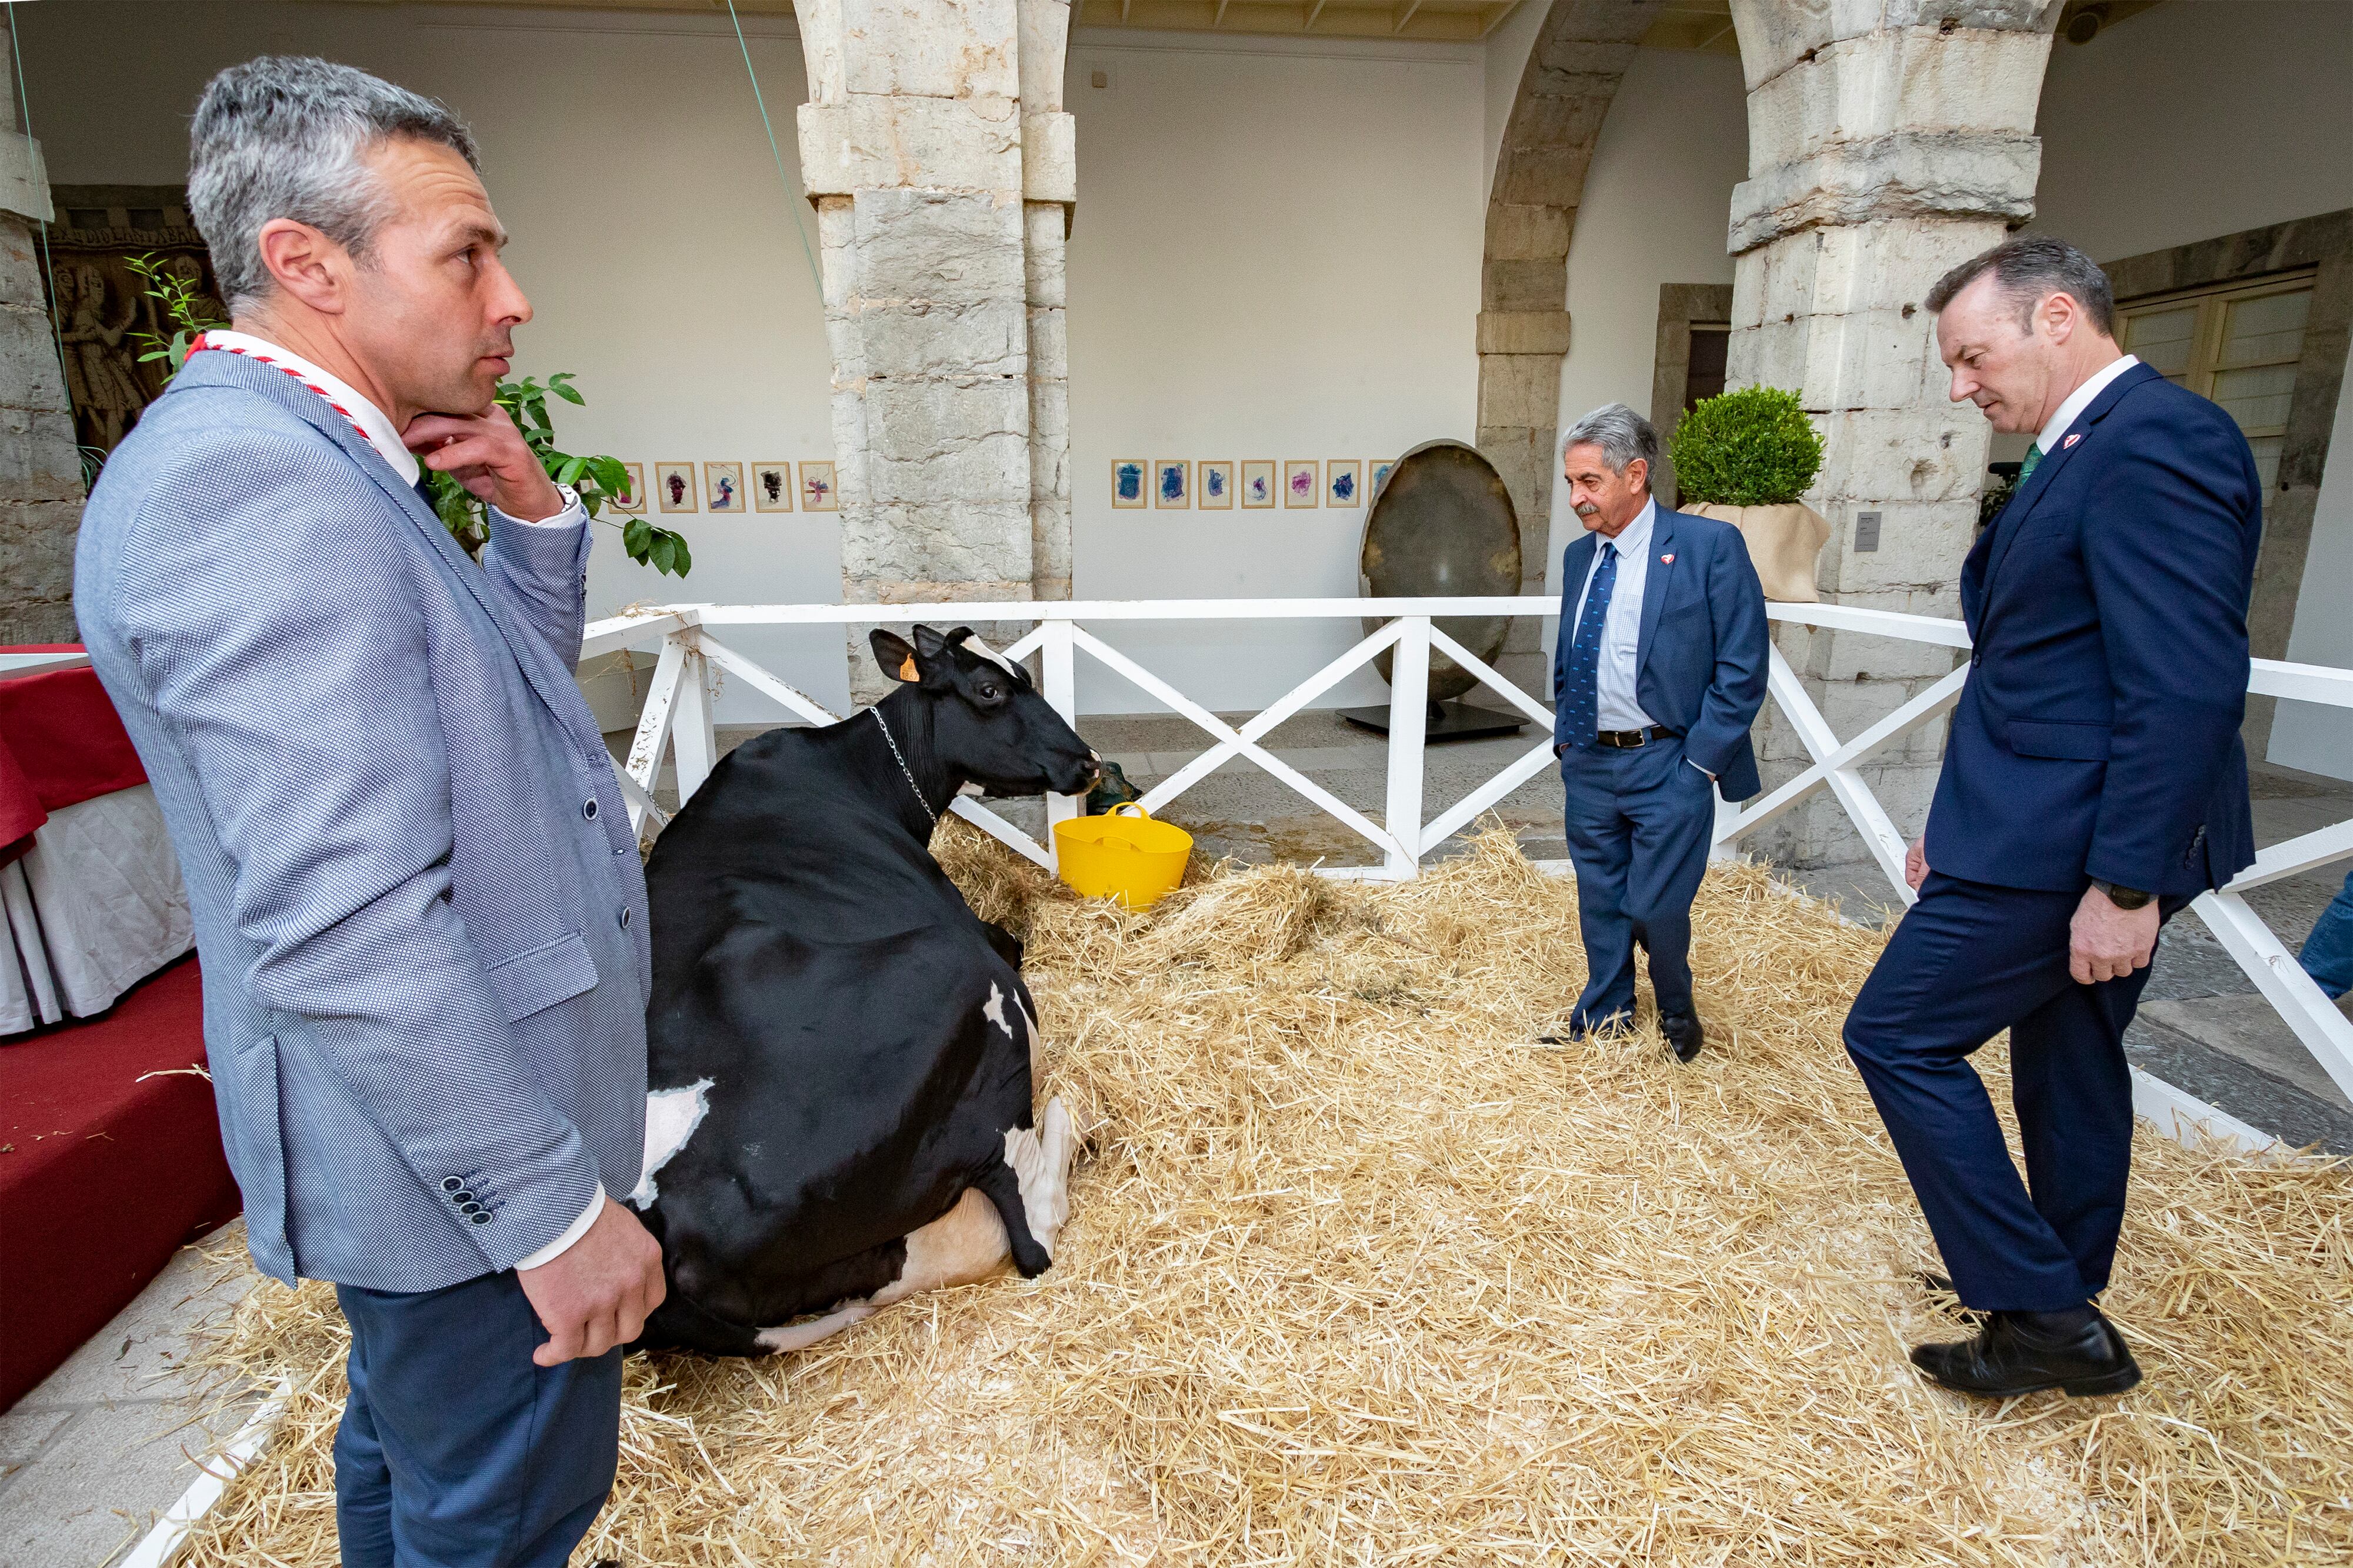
(1668, 559)
(2070, 440)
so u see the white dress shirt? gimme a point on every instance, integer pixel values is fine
(372, 422)
(1621, 627)
(376, 428)
(2080, 399)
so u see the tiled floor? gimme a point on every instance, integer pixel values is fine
(92, 1457)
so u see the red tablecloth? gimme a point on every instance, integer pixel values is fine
(60, 743)
(105, 1168)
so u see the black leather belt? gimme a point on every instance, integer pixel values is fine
(1626, 740)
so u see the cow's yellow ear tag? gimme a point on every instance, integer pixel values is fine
(907, 671)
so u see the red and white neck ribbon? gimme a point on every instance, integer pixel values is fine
(204, 343)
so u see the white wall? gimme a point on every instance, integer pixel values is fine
(626, 155)
(2249, 110)
(1276, 255)
(2189, 121)
(1657, 204)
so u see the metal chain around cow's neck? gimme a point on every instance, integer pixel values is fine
(907, 772)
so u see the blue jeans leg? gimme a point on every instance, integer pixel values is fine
(456, 1449)
(2328, 955)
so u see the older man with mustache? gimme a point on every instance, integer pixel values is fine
(418, 896)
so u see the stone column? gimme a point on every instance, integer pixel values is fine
(1888, 140)
(912, 150)
(1565, 93)
(1050, 193)
(40, 466)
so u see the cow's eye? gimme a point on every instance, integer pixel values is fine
(989, 692)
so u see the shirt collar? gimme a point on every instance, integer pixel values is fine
(373, 422)
(2081, 399)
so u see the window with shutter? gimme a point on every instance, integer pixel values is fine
(2237, 345)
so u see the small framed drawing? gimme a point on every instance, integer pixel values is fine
(1300, 481)
(772, 487)
(1376, 474)
(723, 488)
(1172, 484)
(675, 488)
(1258, 482)
(1217, 488)
(820, 491)
(1344, 482)
(1128, 482)
(633, 499)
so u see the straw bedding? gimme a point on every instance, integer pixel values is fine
(1357, 1273)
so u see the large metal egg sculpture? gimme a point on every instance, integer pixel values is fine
(1443, 525)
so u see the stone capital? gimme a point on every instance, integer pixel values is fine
(1903, 175)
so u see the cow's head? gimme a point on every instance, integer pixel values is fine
(982, 721)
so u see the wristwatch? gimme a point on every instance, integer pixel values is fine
(2123, 898)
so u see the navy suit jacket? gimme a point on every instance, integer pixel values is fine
(1700, 664)
(2098, 733)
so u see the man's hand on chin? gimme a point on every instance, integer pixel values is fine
(488, 454)
(597, 1292)
(2105, 942)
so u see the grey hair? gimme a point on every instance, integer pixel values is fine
(2028, 268)
(1621, 433)
(283, 136)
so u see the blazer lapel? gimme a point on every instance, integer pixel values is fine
(1654, 581)
(2007, 526)
(530, 655)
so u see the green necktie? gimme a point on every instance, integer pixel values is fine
(2033, 457)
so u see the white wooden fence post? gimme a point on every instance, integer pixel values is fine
(694, 740)
(1409, 727)
(1054, 650)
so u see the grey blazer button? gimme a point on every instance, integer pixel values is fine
(480, 1219)
(452, 1184)
(470, 1210)
(589, 809)
(625, 917)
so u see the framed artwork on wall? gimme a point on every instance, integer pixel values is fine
(1128, 481)
(675, 488)
(1258, 482)
(820, 491)
(1376, 474)
(633, 499)
(1172, 484)
(723, 487)
(772, 487)
(1344, 482)
(1216, 487)
(1300, 481)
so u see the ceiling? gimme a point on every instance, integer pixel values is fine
(1700, 25)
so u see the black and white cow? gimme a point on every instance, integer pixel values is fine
(842, 1054)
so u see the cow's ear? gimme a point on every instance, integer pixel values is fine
(894, 654)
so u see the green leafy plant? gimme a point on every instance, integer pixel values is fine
(178, 292)
(597, 479)
(1750, 446)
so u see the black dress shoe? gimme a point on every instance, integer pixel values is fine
(1683, 1033)
(2011, 1356)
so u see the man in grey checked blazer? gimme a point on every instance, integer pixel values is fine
(418, 896)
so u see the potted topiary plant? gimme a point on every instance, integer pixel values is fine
(1745, 458)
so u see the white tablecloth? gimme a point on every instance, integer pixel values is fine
(93, 908)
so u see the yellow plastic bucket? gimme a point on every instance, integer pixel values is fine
(1134, 859)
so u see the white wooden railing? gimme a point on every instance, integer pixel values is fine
(677, 717)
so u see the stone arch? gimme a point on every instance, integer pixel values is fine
(1579, 55)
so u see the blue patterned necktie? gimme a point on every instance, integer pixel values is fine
(1583, 692)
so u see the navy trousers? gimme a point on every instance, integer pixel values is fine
(1639, 821)
(455, 1450)
(1967, 961)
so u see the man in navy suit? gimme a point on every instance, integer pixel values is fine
(1659, 673)
(2094, 783)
